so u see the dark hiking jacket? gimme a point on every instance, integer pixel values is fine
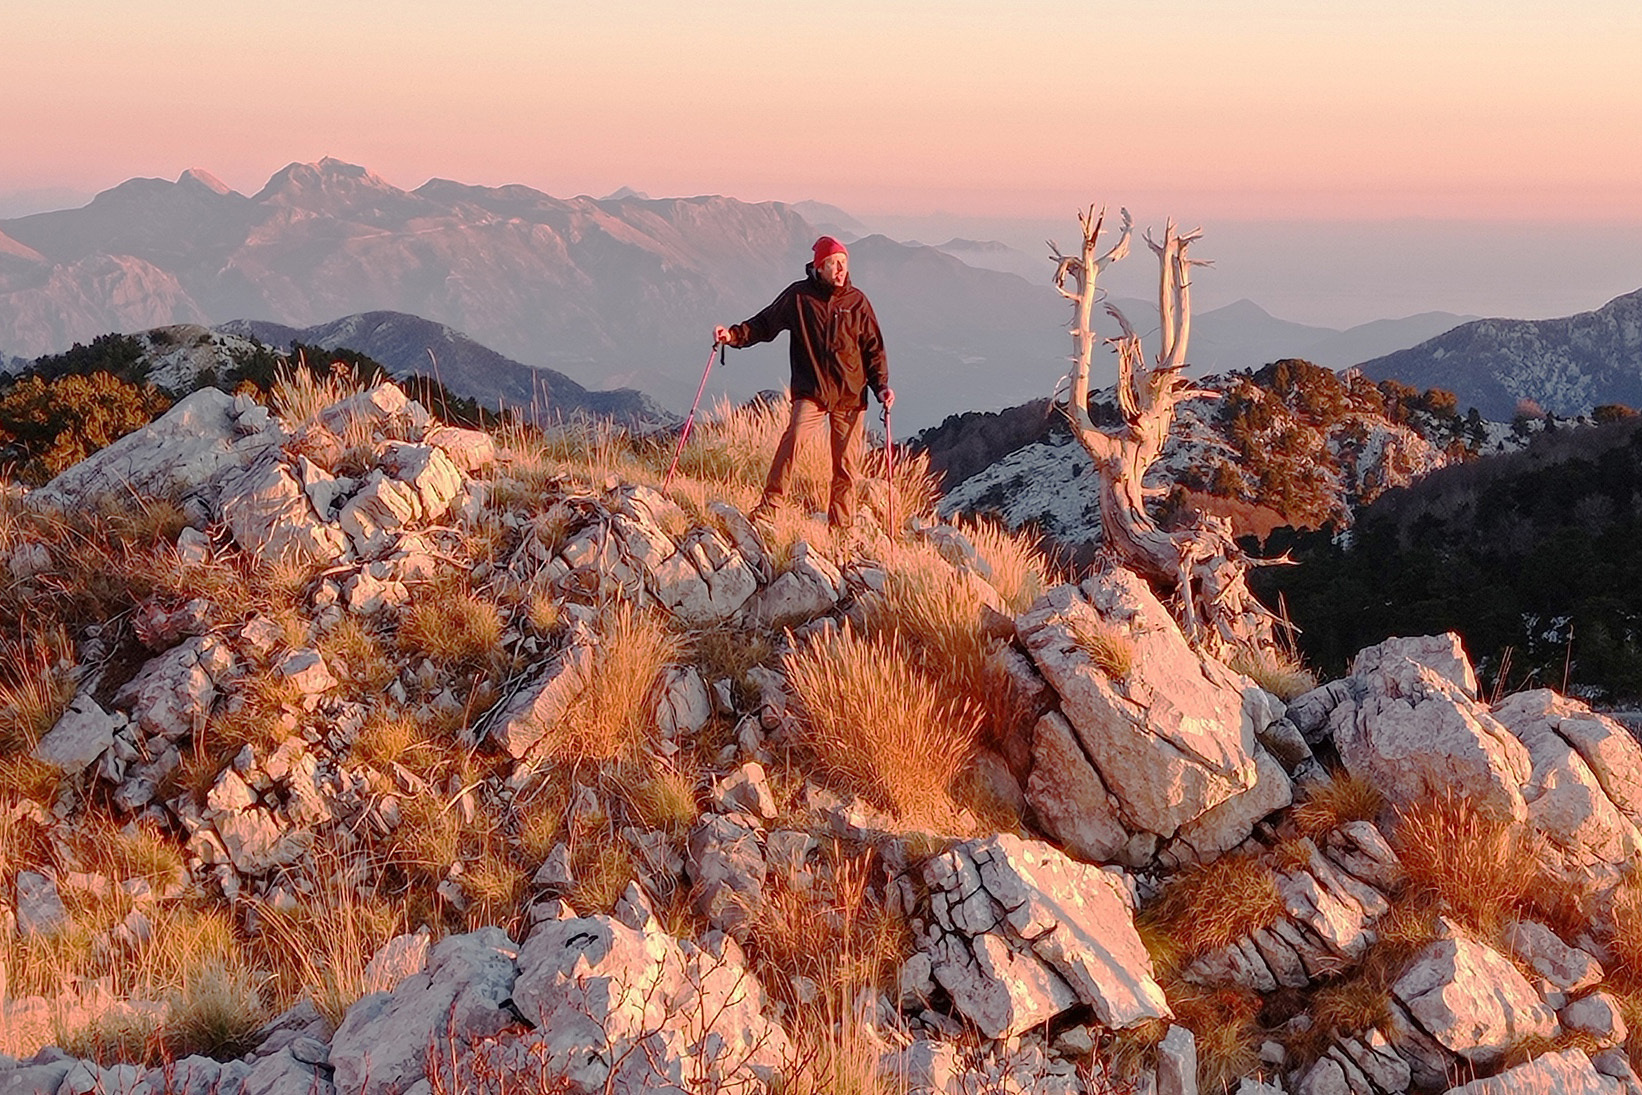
(836, 349)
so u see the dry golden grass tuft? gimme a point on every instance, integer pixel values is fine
(355, 655)
(614, 717)
(665, 797)
(1111, 650)
(1204, 908)
(1226, 1024)
(320, 948)
(1626, 939)
(941, 617)
(36, 683)
(1020, 569)
(878, 727)
(1280, 672)
(835, 933)
(1344, 798)
(1477, 866)
(601, 865)
(453, 627)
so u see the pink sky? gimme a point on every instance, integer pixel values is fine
(1209, 109)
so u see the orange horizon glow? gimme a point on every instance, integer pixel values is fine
(1459, 109)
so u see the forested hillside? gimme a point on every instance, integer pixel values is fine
(1530, 555)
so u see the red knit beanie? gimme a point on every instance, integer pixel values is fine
(825, 246)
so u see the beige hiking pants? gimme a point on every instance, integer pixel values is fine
(844, 432)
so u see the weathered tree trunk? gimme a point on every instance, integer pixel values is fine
(1200, 565)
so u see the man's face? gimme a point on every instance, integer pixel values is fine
(834, 269)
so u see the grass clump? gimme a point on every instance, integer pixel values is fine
(320, 948)
(940, 616)
(1112, 651)
(1208, 907)
(452, 627)
(879, 728)
(1019, 569)
(1280, 672)
(36, 684)
(1476, 866)
(614, 716)
(1327, 806)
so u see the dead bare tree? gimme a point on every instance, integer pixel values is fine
(1200, 565)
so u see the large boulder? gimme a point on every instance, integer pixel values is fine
(619, 995)
(207, 437)
(1415, 730)
(1566, 1072)
(1169, 740)
(272, 517)
(172, 694)
(1021, 933)
(1564, 796)
(1468, 999)
(383, 1044)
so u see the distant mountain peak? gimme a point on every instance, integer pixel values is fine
(328, 176)
(195, 176)
(625, 192)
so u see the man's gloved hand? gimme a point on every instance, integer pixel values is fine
(722, 334)
(887, 398)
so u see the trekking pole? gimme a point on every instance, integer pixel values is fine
(718, 349)
(889, 472)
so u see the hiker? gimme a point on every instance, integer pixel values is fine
(837, 353)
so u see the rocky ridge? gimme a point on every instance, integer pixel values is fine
(1027, 955)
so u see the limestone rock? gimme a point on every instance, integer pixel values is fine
(1416, 734)
(1027, 933)
(190, 449)
(1472, 1001)
(1569, 969)
(809, 587)
(1567, 1072)
(400, 957)
(1565, 799)
(728, 869)
(376, 513)
(745, 790)
(172, 694)
(1068, 797)
(1170, 741)
(1611, 752)
(469, 450)
(595, 987)
(382, 1044)
(83, 733)
(39, 909)
(535, 709)
(272, 519)
(1597, 1015)
(384, 408)
(683, 706)
(426, 470)
(1223, 827)
(306, 669)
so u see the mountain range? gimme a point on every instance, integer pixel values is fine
(613, 292)
(1566, 365)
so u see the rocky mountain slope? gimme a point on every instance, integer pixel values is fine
(1292, 443)
(401, 757)
(1567, 365)
(409, 345)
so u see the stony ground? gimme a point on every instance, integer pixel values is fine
(397, 757)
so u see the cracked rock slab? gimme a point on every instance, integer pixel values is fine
(1033, 932)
